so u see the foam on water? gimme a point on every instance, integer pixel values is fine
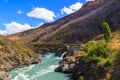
(21, 76)
(44, 71)
(41, 71)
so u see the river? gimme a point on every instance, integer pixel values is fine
(41, 71)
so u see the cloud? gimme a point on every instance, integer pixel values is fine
(20, 12)
(3, 32)
(42, 13)
(40, 24)
(66, 10)
(90, 0)
(72, 8)
(14, 27)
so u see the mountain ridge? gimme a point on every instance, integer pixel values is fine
(84, 23)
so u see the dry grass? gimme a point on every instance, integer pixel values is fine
(1, 47)
(71, 58)
(115, 42)
(14, 38)
(114, 45)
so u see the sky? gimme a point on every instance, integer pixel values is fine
(20, 15)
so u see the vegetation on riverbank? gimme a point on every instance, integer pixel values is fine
(47, 47)
(106, 55)
(97, 59)
(15, 54)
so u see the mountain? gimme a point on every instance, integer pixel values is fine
(79, 26)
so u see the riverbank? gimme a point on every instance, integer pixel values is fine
(95, 60)
(12, 62)
(15, 55)
(75, 64)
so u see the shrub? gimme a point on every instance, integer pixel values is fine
(81, 78)
(1, 43)
(116, 59)
(87, 47)
(97, 53)
(106, 31)
(116, 65)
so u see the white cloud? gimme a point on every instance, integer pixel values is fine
(66, 10)
(3, 32)
(90, 0)
(42, 13)
(20, 12)
(40, 24)
(76, 6)
(14, 27)
(72, 8)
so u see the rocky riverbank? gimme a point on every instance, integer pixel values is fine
(74, 63)
(9, 61)
(15, 55)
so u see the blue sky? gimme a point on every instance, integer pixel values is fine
(20, 15)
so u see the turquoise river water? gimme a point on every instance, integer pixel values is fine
(41, 71)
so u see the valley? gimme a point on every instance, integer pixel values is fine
(88, 50)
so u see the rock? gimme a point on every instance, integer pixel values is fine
(73, 63)
(65, 67)
(4, 76)
(68, 62)
(60, 51)
(67, 51)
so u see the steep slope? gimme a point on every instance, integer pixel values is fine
(79, 26)
(15, 54)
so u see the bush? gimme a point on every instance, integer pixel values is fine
(97, 53)
(106, 31)
(1, 43)
(81, 78)
(88, 47)
(116, 59)
(116, 65)
(100, 50)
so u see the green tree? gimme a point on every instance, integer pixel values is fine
(106, 31)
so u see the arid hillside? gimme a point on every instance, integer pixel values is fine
(79, 26)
